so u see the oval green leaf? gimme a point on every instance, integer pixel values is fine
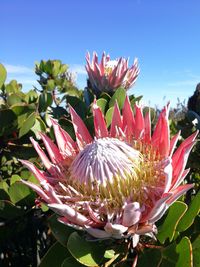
(18, 192)
(45, 100)
(184, 249)
(3, 75)
(108, 116)
(28, 123)
(190, 215)
(39, 126)
(87, 253)
(118, 96)
(14, 98)
(168, 228)
(101, 102)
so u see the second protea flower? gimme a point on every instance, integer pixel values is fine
(118, 183)
(108, 75)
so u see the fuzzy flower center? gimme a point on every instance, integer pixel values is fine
(110, 172)
(103, 160)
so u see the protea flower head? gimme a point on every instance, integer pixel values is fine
(108, 75)
(118, 183)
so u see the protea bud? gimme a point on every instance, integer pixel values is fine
(108, 75)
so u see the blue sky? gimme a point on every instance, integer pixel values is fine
(163, 35)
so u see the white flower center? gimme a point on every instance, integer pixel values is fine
(104, 159)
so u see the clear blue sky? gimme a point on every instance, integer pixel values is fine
(163, 35)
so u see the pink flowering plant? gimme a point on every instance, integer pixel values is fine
(115, 178)
(108, 75)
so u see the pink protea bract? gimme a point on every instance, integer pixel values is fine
(108, 75)
(118, 183)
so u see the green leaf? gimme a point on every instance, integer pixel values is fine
(102, 103)
(54, 256)
(106, 96)
(190, 215)
(108, 116)
(184, 249)
(18, 191)
(45, 100)
(13, 87)
(109, 254)
(168, 228)
(87, 253)
(21, 108)
(89, 122)
(72, 91)
(4, 191)
(3, 75)
(63, 68)
(44, 207)
(169, 256)
(163, 257)
(118, 96)
(50, 84)
(31, 97)
(27, 175)
(14, 98)
(48, 116)
(71, 262)
(39, 126)
(196, 250)
(47, 66)
(60, 231)
(134, 100)
(56, 64)
(152, 112)
(14, 178)
(57, 112)
(78, 105)
(29, 122)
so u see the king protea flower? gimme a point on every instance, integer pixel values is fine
(118, 183)
(108, 75)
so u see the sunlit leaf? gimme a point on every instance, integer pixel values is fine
(3, 75)
(86, 252)
(14, 98)
(184, 249)
(188, 219)
(38, 127)
(14, 178)
(168, 228)
(101, 102)
(109, 115)
(119, 97)
(18, 191)
(28, 123)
